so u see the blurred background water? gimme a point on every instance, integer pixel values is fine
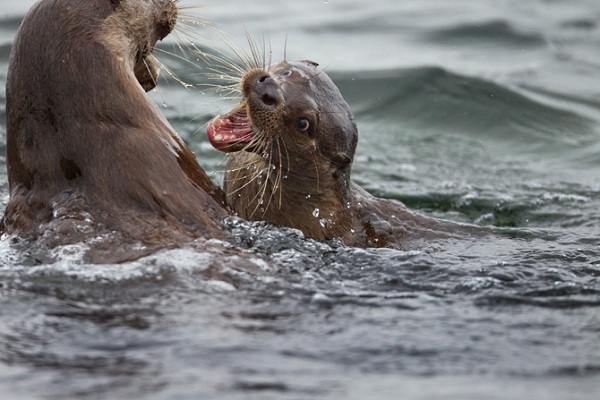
(481, 111)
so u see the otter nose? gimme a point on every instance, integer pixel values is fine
(266, 89)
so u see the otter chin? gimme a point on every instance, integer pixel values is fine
(84, 140)
(291, 143)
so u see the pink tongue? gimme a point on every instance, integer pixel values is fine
(230, 133)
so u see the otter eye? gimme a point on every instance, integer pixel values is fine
(287, 72)
(303, 124)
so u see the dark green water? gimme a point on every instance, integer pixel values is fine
(485, 112)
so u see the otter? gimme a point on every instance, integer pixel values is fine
(85, 143)
(291, 143)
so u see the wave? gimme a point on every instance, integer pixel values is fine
(490, 33)
(435, 98)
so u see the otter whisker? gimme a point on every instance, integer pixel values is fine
(186, 28)
(317, 173)
(190, 32)
(285, 47)
(150, 71)
(287, 168)
(229, 84)
(189, 25)
(171, 73)
(280, 180)
(177, 56)
(248, 179)
(275, 183)
(245, 167)
(226, 92)
(227, 65)
(259, 196)
(255, 53)
(265, 184)
(192, 47)
(216, 74)
(240, 54)
(260, 57)
(259, 143)
(184, 13)
(254, 176)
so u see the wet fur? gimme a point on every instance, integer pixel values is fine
(82, 134)
(303, 180)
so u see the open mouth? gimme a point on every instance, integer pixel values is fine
(145, 70)
(231, 132)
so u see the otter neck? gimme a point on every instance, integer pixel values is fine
(316, 204)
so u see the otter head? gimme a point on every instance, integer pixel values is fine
(292, 141)
(294, 116)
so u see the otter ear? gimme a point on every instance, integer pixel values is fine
(314, 64)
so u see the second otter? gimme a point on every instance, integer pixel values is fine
(292, 140)
(88, 152)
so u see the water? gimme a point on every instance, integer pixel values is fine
(477, 111)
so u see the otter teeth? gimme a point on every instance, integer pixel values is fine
(224, 138)
(218, 121)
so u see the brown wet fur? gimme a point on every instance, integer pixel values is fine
(87, 150)
(301, 178)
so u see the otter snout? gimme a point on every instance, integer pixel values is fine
(267, 90)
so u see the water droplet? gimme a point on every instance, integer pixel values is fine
(316, 212)
(308, 196)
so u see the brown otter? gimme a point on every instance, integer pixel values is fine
(85, 142)
(292, 142)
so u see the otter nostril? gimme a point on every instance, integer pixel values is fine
(268, 100)
(266, 89)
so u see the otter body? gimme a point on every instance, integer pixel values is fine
(291, 145)
(83, 137)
